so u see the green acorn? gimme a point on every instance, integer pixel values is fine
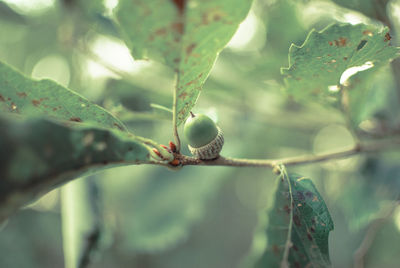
(204, 137)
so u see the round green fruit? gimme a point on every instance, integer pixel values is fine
(200, 130)
(204, 137)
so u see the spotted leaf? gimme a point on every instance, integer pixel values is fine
(186, 35)
(315, 68)
(298, 226)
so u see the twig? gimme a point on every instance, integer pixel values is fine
(175, 116)
(370, 235)
(298, 160)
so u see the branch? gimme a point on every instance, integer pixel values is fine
(298, 160)
(175, 116)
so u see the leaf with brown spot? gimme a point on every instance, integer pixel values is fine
(309, 227)
(195, 32)
(20, 94)
(50, 148)
(317, 63)
(75, 119)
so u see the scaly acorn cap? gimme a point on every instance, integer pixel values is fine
(204, 137)
(210, 150)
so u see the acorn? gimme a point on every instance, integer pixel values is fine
(205, 139)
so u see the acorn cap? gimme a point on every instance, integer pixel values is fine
(210, 150)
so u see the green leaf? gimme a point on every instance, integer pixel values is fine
(22, 95)
(315, 68)
(186, 35)
(298, 227)
(40, 154)
(63, 136)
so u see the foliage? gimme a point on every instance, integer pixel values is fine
(21, 95)
(187, 35)
(91, 91)
(298, 226)
(52, 153)
(316, 67)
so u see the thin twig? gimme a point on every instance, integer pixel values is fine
(298, 160)
(370, 235)
(175, 116)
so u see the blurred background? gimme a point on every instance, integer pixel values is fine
(149, 216)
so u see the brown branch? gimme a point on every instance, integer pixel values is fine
(291, 161)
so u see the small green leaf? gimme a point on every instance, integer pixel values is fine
(186, 35)
(24, 96)
(315, 68)
(298, 226)
(39, 154)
